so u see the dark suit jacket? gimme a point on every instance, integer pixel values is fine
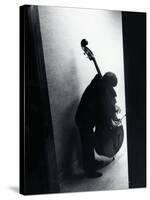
(97, 104)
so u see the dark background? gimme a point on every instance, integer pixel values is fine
(38, 169)
(134, 43)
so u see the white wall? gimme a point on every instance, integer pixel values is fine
(68, 70)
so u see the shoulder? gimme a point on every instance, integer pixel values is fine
(95, 84)
(97, 80)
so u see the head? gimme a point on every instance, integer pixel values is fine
(110, 79)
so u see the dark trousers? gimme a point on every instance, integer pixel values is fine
(87, 142)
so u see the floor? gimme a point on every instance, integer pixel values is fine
(115, 176)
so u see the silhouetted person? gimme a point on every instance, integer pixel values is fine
(97, 106)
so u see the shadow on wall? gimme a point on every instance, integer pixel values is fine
(66, 97)
(72, 146)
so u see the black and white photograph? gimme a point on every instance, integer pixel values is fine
(82, 99)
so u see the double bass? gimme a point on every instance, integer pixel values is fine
(107, 140)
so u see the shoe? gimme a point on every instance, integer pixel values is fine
(93, 174)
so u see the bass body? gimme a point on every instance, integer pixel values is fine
(108, 142)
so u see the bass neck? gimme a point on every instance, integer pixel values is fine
(96, 66)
